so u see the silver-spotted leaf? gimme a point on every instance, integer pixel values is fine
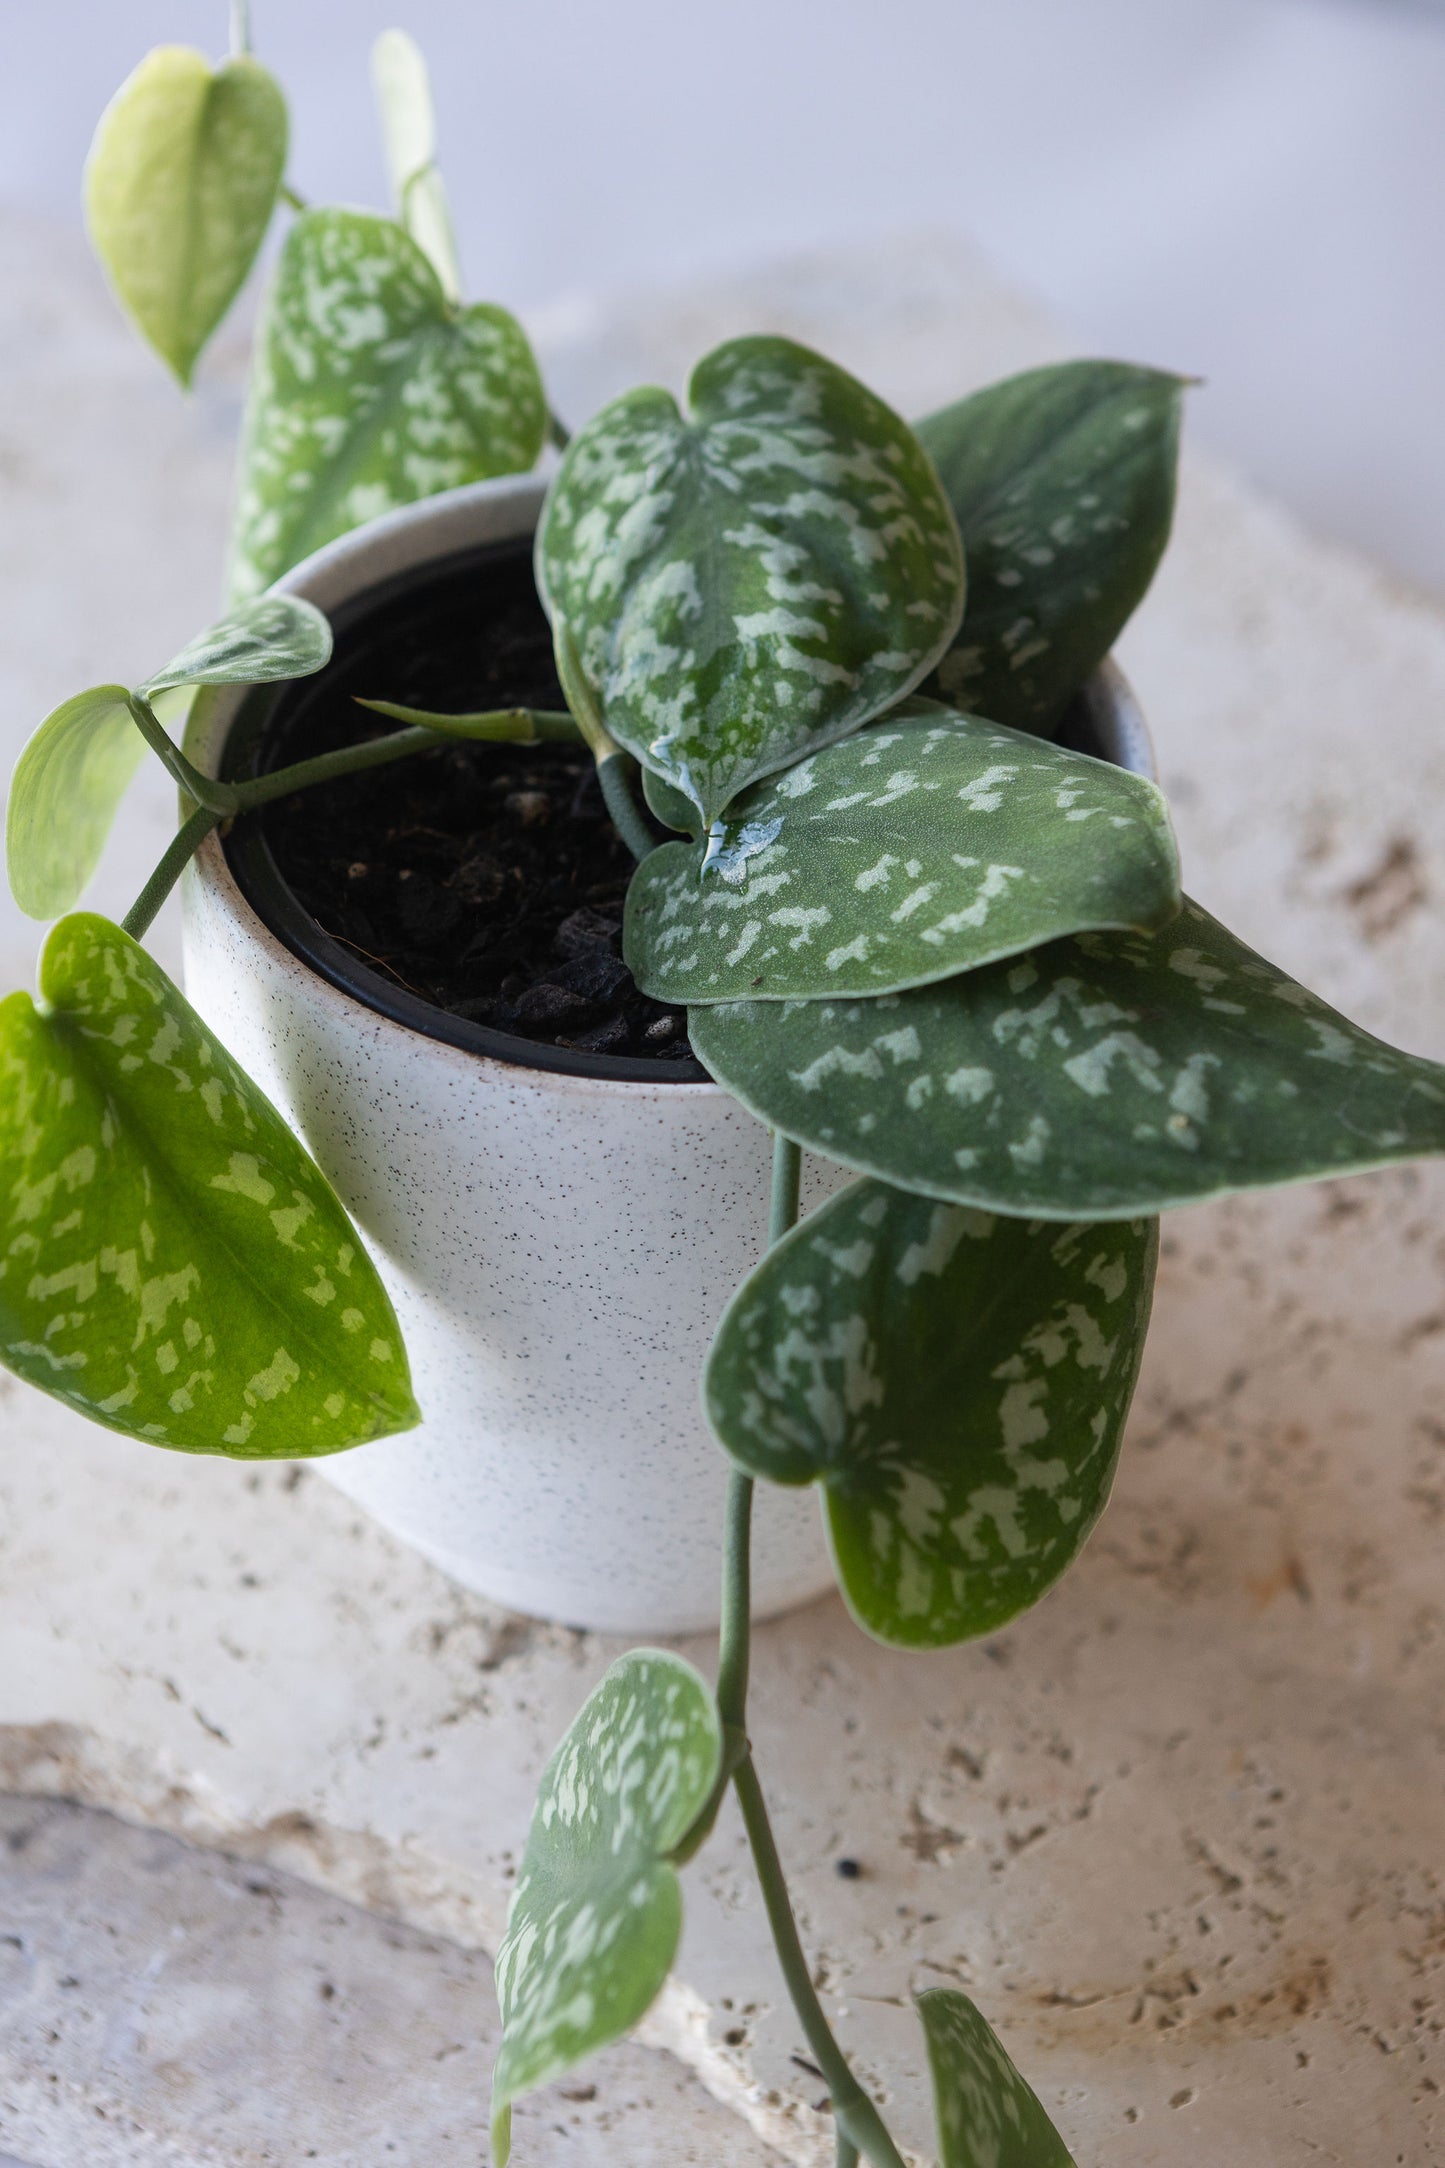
(752, 579)
(179, 189)
(957, 1385)
(670, 805)
(172, 1263)
(988, 2115)
(929, 844)
(67, 787)
(370, 390)
(1102, 1077)
(597, 1910)
(1062, 481)
(272, 637)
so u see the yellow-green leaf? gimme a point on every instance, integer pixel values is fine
(179, 189)
(172, 1263)
(988, 2114)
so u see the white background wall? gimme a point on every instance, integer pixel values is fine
(1248, 190)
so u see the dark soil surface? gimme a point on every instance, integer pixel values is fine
(486, 879)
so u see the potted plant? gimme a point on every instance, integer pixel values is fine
(826, 677)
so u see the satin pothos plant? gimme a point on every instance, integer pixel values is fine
(916, 935)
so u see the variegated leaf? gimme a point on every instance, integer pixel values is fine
(1099, 1078)
(1062, 481)
(988, 2115)
(754, 579)
(179, 189)
(370, 391)
(408, 126)
(957, 1385)
(172, 1264)
(926, 845)
(274, 637)
(597, 1910)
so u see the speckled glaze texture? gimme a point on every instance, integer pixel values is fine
(559, 1248)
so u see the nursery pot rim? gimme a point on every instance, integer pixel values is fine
(362, 567)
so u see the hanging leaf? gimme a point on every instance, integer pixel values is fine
(179, 190)
(370, 391)
(408, 126)
(597, 1910)
(988, 2115)
(1062, 481)
(924, 846)
(1098, 1078)
(172, 1264)
(67, 787)
(956, 1383)
(276, 636)
(754, 579)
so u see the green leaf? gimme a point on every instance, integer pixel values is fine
(924, 846)
(172, 1263)
(408, 126)
(67, 786)
(1062, 481)
(956, 1383)
(988, 2115)
(1099, 1078)
(179, 189)
(597, 1910)
(755, 579)
(276, 636)
(370, 391)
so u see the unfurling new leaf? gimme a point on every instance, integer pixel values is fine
(956, 1383)
(1102, 1077)
(988, 2115)
(597, 1910)
(172, 1263)
(370, 391)
(754, 578)
(1062, 482)
(179, 189)
(929, 844)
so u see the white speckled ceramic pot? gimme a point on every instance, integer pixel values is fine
(559, 1246)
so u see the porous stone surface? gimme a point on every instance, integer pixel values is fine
(1178, 1831)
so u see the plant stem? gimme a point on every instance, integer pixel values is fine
(614, 774)
(292, 197)
(240, 27)
(557, 431)
(859, 2125)
(379, 752)
(186, 841)
(854, 2112)
(220, 797)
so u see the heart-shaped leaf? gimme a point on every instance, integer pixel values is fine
(754, 579)
(172, 1263)
(927, 845)
(67, 786)
(179, 189)
(988, 2115)
(956, 1383)
(597, 1909)
(1062, 481)
(276, 636)
(370, 391)
(1102, 1077)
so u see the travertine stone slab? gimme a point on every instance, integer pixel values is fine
(1180, 1831)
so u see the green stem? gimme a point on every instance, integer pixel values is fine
(854, 2112)
(221, 798)
(860, 2127)
(292, 197)
(614, 773)
(240, 27)
(186, 841)
(380, 752)
(557, 431)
